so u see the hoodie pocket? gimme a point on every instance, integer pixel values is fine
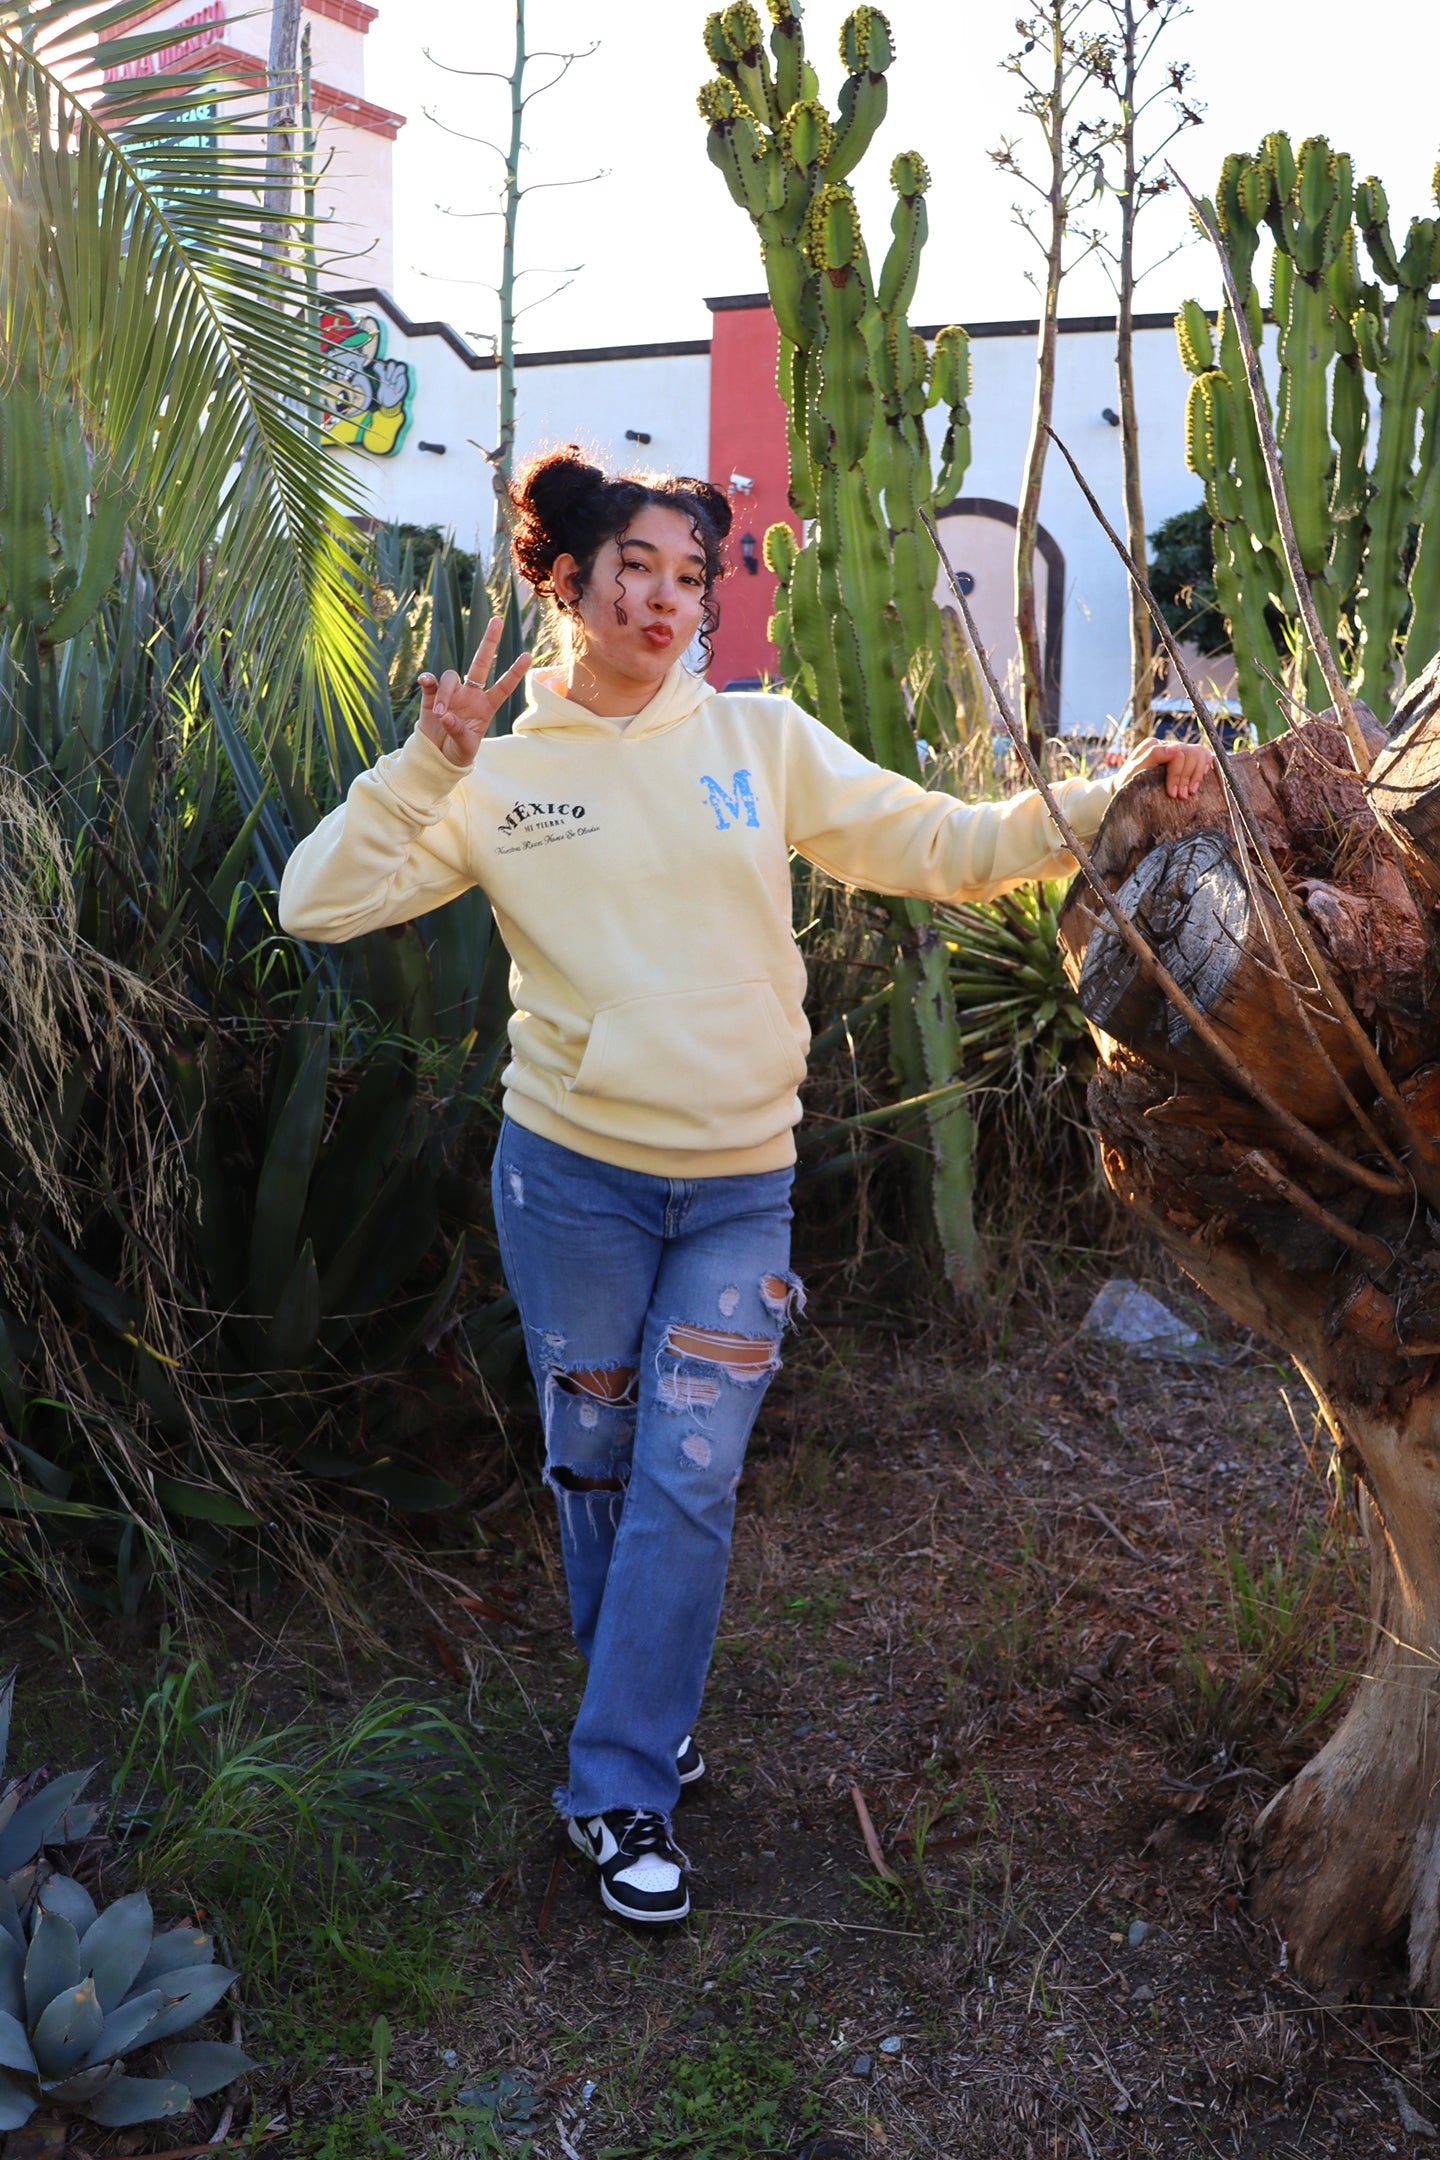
(713, 1068)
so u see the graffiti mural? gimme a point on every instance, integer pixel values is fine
(367, 397)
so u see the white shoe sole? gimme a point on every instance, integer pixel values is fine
(645, 1919)
(607, 1897)
(693, 1777)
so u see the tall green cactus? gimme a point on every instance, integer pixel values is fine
(1345, 348)
(856, 621)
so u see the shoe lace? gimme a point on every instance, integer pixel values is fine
(646, 1831)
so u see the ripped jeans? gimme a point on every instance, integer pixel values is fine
(653, 1309)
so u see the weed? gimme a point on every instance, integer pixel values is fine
(735, 2099)
(304, 1842)
(1267, 1664)
(819, 1607)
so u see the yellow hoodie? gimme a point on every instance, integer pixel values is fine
(639, 871)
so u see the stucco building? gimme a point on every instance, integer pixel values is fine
(411, 401)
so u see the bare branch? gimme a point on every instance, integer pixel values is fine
(442, 277)
(497, 75)
(485, 74)
(584, 181)
(544, 297)
(461, 135)
(567, 61)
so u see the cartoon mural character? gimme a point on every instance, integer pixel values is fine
(367, 397)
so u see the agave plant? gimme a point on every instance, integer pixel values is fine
(82, 1988)
(35, 1812)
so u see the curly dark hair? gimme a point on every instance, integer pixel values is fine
(564, 505)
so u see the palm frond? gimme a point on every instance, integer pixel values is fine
(135, 263)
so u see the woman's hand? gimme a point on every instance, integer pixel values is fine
(456, 710)
(1186, 764)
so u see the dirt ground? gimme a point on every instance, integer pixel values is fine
(1057, 1620)
(1060, 1621)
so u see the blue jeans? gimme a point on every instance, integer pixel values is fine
(624, 1281)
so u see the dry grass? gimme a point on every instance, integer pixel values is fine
(1065, 1621)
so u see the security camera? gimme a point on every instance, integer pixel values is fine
(740, 483)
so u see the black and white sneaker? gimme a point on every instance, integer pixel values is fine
(642, 1869)
(689, 1761)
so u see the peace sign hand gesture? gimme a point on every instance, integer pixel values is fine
(456, 710)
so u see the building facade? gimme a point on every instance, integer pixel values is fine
(413, 406)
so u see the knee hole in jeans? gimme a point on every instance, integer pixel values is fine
(745, 1357)
(571, 1481)
(602, 1383)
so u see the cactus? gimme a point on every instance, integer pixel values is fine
(856, 621)
(1345, 348)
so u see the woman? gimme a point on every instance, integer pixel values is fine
(633, 835)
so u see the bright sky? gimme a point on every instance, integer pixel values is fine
(659, 232)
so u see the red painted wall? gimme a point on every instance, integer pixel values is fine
(747, 436)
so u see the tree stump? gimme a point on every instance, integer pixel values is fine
(1345, 1277)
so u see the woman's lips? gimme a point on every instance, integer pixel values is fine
(659, 635)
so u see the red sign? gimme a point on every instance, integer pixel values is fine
(156, 63)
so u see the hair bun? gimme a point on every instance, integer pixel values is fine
(558, 499)
(716, 501)
(559, 483)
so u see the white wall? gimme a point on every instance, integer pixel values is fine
(1096, 663)
(353, 197)
(587, 401)
(593, 402)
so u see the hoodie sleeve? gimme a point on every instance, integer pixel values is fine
(397, 846)
(877, 829)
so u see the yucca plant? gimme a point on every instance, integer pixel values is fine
(244, 1181)
(1011, 992)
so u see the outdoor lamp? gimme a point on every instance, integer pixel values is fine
(749, 553)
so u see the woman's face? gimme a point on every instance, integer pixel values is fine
(644, 599)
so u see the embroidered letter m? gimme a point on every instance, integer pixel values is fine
(737, 808)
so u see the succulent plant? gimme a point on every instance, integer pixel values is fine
(856, 621)
(1358, 376)
(36, 1812)
(82, 1988)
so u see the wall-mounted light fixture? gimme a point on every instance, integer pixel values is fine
(749, 553)
(437, 448)
(635, 434)
(1107, 414)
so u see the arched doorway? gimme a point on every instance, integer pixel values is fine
(978, 536)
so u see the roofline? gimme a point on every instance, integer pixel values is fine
(728, 303)
(486, 363)
(696, 348)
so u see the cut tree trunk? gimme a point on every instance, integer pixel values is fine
(1342, 1274)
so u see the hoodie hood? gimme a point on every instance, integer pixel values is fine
(549, 712)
